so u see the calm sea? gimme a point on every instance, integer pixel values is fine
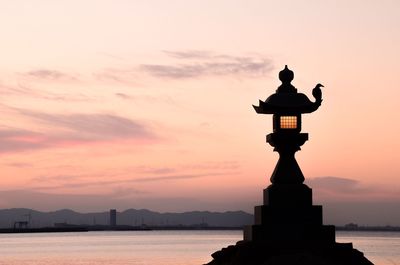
(157, 247)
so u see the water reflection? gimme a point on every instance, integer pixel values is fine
(157, 247)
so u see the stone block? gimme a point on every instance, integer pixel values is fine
(293, 215)
(288, 195)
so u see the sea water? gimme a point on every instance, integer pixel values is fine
(157, 247)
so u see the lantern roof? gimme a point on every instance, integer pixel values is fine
(287, 100)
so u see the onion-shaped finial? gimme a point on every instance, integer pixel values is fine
(286, 75)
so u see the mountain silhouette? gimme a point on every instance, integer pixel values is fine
(128, 217)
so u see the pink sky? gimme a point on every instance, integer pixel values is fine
(147, 104)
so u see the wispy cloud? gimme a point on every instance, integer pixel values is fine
(48, 74)
(194, 64)
(215, 165)
(39, 84)
(85, 182)
(123, 96)
(173, 177)
(191, 54)
(191, 64)
(19, 165)
(154, 170)
(149, 99)
(127, 178)
(14, 140)
(335, 184)
(7, 90)
(57, 178)
(347, 200)
(74, 129)
(125, 76)
(341, 189)
(25, 90)
(95, 126)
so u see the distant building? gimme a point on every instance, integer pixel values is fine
(63, 225)
(21, 224)
(113, 217)
(351, 226)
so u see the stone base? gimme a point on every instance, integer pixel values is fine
(283, 220)
(252, 253)
(291, 235)
(288, 230)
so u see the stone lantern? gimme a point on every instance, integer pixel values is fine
(287, 105)
(288, 229)
(287, 215)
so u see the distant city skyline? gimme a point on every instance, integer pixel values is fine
(148, 104)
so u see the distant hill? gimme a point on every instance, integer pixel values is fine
(128, 217)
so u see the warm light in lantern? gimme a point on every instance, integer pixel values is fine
(288, 122)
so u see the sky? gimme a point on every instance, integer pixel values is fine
(148, 104)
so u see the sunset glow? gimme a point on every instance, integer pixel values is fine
(148, 104)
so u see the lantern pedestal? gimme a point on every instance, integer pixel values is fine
(287, 171)
(287, 215)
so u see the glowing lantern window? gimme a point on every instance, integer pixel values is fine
(288, 122)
